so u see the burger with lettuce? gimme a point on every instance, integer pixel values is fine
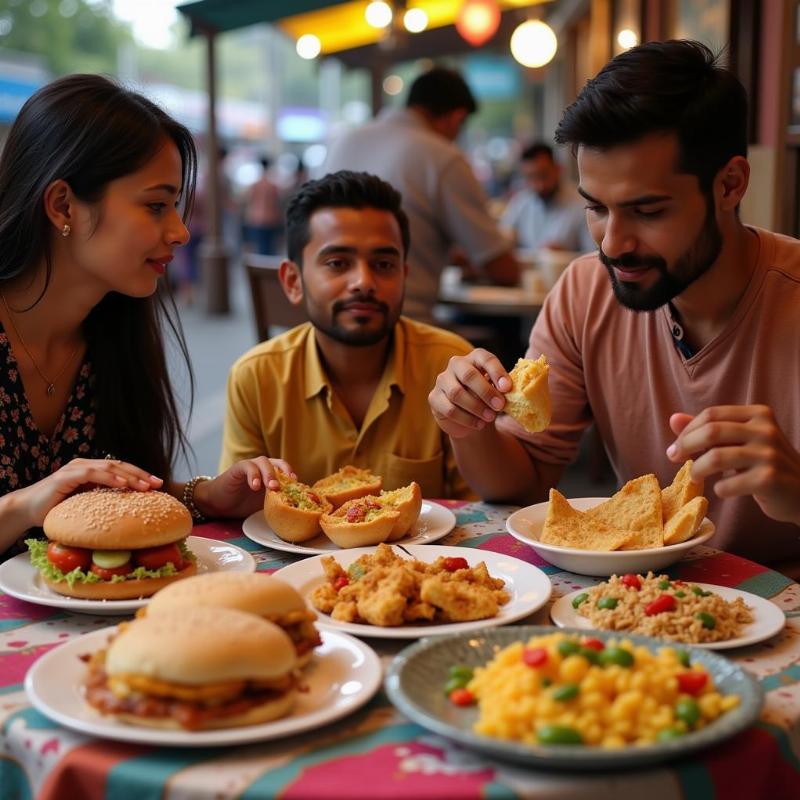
(114, 544)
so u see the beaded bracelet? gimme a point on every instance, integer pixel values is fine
(187, 497)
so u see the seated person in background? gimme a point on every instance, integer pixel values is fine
(548, 211)
(92, 177)
(680, 339)
(351, 385)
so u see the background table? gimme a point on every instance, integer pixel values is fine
(377, 753)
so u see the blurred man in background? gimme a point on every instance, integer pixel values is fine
(548, 211)
(262, 213)
(414, 149)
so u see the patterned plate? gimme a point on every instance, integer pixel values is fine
(416, 676)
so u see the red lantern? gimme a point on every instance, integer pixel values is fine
(478, 21)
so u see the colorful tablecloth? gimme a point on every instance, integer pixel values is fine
(377, 753)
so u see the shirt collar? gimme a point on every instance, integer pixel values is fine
(316, 380)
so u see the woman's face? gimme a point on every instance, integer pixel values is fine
(125, 242)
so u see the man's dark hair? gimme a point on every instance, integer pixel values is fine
(671, 87)
(535, 150)
(343, 189)
(441, 90)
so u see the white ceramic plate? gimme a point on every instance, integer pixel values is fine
(20, 579)
(434, 522)
(343, 675)
(528, 586)
(768, 619)
(527, 523)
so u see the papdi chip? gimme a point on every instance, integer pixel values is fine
(681, 491)
(633, 519)
(565, 526)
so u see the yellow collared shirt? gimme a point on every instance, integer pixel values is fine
(281, 404)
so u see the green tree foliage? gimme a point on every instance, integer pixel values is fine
(70, 35)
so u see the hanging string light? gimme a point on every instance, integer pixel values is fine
(533, 43)
(379, 14)
(478, 20)
(308, 46)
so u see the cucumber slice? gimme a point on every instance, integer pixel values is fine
(108, 559)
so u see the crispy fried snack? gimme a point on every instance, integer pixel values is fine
(386, 590)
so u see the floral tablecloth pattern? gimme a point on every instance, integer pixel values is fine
(377, 753)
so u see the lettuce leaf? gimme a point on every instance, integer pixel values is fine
(38, 551)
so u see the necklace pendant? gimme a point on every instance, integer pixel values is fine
(51, 389)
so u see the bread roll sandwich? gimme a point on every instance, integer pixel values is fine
(294, 511)
(407, 501)
(348, 483)
(528, 402)
(114, 544)
(359, 523)
(194, 669)
(254, 592)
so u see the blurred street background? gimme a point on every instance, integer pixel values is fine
(266, 87)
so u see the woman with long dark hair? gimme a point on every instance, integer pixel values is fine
(93, 180)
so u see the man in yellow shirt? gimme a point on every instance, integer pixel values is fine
(351, 385)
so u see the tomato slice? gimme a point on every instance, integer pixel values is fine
(108, 574)
(68, 558)
(157, 557)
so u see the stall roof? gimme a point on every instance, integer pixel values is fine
(228, 15)
(341, 26)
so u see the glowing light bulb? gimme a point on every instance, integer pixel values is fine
(379, 14)
(308, 46)
(627, 38)
(533, 43)
(415, 20)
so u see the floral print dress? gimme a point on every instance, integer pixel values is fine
(26, 454)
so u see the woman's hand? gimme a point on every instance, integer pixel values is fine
(80, 473)
(745, 445)
(239, 491)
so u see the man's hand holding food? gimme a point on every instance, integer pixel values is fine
(469, 394)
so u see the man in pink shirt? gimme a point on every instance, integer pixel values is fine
(681, 337)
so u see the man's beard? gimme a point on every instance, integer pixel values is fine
(694, 263)
(354, 337)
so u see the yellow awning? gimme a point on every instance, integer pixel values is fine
(344, 26)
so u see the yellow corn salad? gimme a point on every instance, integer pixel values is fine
(563, 689)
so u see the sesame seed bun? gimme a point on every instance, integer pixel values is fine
(196, 646)
(114, 519)
(196, 653)
(253, 592)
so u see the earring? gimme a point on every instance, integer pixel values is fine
(65, 231)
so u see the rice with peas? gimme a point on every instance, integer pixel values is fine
(666, 609)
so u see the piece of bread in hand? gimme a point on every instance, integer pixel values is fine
(685, 522)
(528, 402)
(359, 523)
(348, 483)
(407, 501)
(294, 511)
